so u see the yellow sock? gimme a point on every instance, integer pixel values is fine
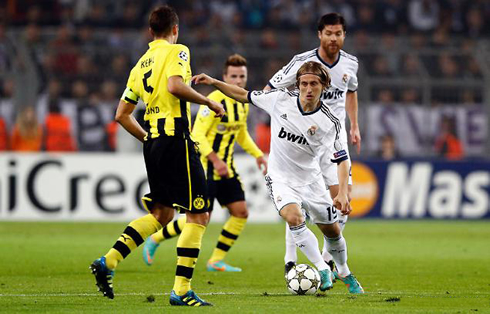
(231, 230)
(134, 234)
(172, 229)
(188, 247)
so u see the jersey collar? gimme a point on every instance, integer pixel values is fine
(306, 113)
(324, 62)
(158, 42)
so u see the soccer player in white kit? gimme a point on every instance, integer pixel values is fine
(341, 97)
(304, 129)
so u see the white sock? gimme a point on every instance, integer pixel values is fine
(327, 256)
(308, 244)
(338, 248)
(290, 255)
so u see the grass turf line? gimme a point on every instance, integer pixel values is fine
(405, 267)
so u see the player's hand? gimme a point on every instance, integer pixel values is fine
(221, 167)
(341, 202)
(202, 79)
(355, 137)
(217, 108)
(262, 164)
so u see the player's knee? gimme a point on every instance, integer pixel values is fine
(294, 219)
(242, 213)
(163, 216)
(200, 219)
(331, 231)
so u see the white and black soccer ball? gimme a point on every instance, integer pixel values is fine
(303, 279)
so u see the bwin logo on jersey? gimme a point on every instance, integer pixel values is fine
(333, 94)
(292, 137)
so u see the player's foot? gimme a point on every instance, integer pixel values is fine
(149, 250)
(103, 277)
(188, 299)
(331, 264)
(288, 267)
(222, 266)
(326, 279)
(352, 284)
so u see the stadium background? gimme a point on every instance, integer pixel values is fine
(424, 100)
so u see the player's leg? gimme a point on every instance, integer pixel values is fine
(191, 196)
(230, 193)
(329, 171)
(170, 230)
(188, 248)
(334, 190)
(307, 242)
(290, 256)
(132, 236)
(337, 247)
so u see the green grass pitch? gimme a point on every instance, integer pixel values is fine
(404, 266)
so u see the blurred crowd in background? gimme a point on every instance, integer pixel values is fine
(424, 72)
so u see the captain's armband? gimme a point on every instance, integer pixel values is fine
(129, 96)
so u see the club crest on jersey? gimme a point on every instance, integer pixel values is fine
(312, 130)
(345, 78)
(221, 127)
(183, 56)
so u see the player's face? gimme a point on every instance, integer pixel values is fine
(310, 88)
(332, 39)
(236, 76)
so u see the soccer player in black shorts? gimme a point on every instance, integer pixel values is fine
(176, 177)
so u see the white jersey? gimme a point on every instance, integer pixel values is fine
(343, 74)
(299, 138)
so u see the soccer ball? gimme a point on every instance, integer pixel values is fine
(303, 279)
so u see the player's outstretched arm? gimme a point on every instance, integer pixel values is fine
(341, 201)
(351, 106)
(179, 89)
(233, 91)
(125, 118)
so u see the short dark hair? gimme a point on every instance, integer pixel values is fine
(162, 19)
(331, 19)
(234, 60)
(315, 68)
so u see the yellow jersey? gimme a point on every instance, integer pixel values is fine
(148, 80)
(220, 135)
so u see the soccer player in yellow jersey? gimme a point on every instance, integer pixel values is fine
(216, 140)
(176, 177)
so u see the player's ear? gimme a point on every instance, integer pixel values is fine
(175, 29)
(151, 32)
(319, 35)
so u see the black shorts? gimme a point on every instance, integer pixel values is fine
(175, 173)
(226, 191)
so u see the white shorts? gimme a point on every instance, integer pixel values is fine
(329, 169)
(313, 198)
